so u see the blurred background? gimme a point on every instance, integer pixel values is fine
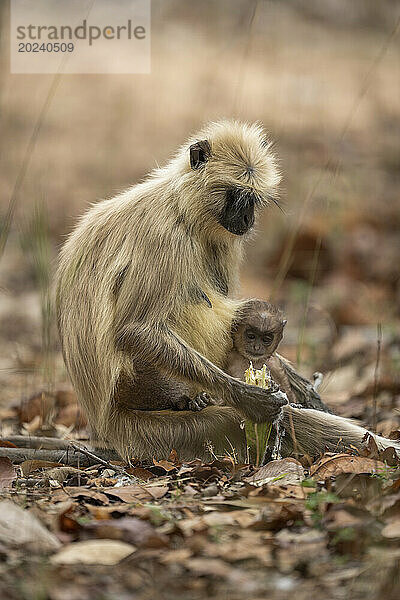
(324, 80)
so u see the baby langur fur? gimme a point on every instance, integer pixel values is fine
(146, 284)
(256, 335)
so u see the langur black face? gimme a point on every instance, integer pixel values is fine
(237, 215)
(236, 174)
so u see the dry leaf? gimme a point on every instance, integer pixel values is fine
(244, 518)
(282, 471)
(101, 482)
(247, 547)
(338, 518)
(205, 473)
(208, 566)
(87, 494)
(330, 466)
(175, 556)
(60, 474)
(131, 530)
(371, 450)
(190, 526)
(28, 466)
(19, 527)
(392, 530)
(62, 406)
(164, 464)
(297, 548)
(102, 513)
(289, 491)
(140, 473)
(133, 493)
(93, 552)
(173, 457)
(66, 522)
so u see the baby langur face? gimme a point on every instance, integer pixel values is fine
(259, 343)
(259, 332)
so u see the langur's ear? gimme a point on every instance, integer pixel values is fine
(200, 152)
(284, 322)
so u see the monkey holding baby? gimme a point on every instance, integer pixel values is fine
(147, 287)
(256, 334)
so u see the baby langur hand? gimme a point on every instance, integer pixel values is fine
(197, 403)
(260, 405)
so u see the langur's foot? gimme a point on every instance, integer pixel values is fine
(197, 403)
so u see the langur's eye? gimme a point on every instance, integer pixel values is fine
(250, 335)
(199, 154)
(268, 339)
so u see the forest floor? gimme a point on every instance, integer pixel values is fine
(324, 81)
(328, 526)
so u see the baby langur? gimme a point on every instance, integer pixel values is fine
(256, 335)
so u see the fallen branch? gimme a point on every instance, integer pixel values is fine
(70, 453)
(89, 454)
(65, 457)
(44, 443)
(50, 443)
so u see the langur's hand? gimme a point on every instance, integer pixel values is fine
(258, 404)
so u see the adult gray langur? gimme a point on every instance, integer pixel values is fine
(146, 289)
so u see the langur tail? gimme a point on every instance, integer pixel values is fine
(313, 432)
